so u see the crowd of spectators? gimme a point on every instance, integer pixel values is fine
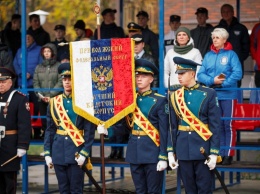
(194, 44)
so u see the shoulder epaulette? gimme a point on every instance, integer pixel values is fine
(156, 94)
(21, 93)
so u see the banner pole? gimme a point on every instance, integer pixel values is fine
(97, 11)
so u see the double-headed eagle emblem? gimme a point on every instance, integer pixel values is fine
(102, 77)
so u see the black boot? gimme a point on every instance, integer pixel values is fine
(227, 160)
(113, 153)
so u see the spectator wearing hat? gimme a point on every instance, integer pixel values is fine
(82, 32)
(41, 37)
(175, 23)
(60, 32)
(34, 58)
(202, 33)
(60, 153)
(147, 154)
(195, 117)
(15, 130)
(133, 29)
(183, 47)
(11, 35)
(108, 28)
(238, 34)
(150, 38)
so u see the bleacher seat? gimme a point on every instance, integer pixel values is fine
(36, 122)
(250, 111)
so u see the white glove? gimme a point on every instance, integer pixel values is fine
(48, 161)
(102, 130)
(21, 152)
(211, 162)
(161, 165)
(80, 160)
(172, 163)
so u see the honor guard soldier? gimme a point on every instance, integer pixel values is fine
(133, 29)
(195, 119)
(67, 133)
(147, 145)
(15, 130)
(175, 23)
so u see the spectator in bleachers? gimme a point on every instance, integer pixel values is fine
(141, 54)
(175, 23)
(255, 51)
(46, 77)
(5, 59)
(60, 32)
(202, 33)
(41, 37)
(221, 68)
(150, 38)
(133, 29)
(183, 47)
(11, 35)
(82, 32)
(238, 34)
(108, 28)
(33, 59)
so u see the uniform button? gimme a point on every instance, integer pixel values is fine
(190, 93)
(138, 127)
(188, 102)
(68, 101)
(66, 138)
(189, 132)
(67, 110)
(140, 99)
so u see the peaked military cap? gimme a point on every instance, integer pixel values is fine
(145, 66)
(133, 27)
(6, 73)
(138, 38)
(108, 10)
(60, 27)
(64, 70)
(184, 65)
(175, 18)
(143, 13)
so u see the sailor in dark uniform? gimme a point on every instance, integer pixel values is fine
(66, 134)
(195, 118)
(15, 130)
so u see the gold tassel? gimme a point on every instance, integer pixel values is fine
(89, 166)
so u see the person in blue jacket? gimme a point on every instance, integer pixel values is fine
(33, 59)
(60, 141)
(221, 68)
(195, 123)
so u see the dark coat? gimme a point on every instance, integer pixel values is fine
(142, 149)
(203, 103)
(61, 147)
(108, 31)
(238, 37)
(17, 118)
(40, 36)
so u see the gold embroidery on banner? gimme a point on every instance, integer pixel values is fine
(102, 77)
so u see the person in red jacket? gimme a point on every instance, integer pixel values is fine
(255, 51)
